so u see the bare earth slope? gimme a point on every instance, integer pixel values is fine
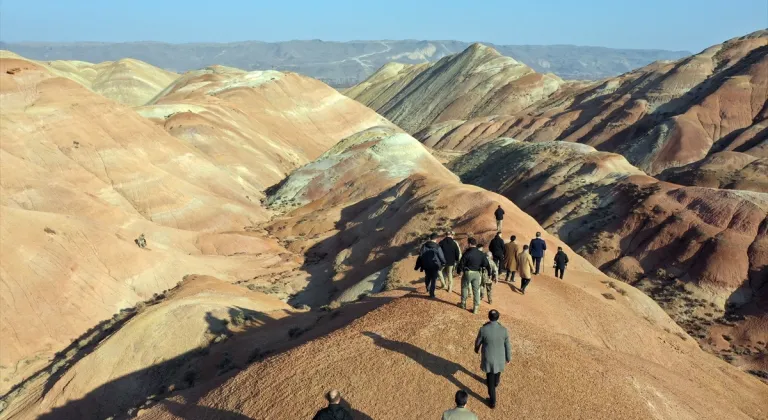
(421, 351)
(83, 177)
(281, 120)
(664, 115)
(155, 348)
(363, 207)
(127, 81)
(583, 348)
(479, 81)
(663, 236)
(729, 170)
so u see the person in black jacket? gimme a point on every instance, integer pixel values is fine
(561, 261)
(497, 249)
(499, 213)
(334, 411)
(452, 254)
(470, 265)
(431, 260)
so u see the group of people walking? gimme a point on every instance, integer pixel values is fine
(480, 268)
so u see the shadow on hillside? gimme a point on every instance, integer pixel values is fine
(356, 414)
(198, 412)
(618, 143)
(435, 364)
(362, 229)
(206, 367)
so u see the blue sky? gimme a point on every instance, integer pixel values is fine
(667, 24)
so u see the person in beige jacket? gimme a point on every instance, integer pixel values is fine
(511, 251)
(525, 266)
(461, 412)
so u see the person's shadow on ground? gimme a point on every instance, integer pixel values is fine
(356, 414)
(435, 364)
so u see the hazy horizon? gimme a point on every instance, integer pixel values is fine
(655, 25)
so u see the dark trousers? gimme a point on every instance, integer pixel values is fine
(537, 262)
(430, 280)
(510, 274)
(497, 261)
(525, 283)
(492, 380)
(559, 271)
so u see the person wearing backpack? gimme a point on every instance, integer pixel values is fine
(431, 260)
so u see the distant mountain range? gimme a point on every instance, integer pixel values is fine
(344, 63)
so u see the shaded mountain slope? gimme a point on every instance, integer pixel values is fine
(670, 240)
(664, 115)
(83, 177)
(729, 170)
(478, 81)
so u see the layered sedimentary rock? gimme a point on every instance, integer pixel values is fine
(664, 115)
(729, 170)
(102, 207)
(479, 81)
(605, 339)
(699, 251)
(126, 81)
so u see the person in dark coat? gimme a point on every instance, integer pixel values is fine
(561, 261)
(470, 266)
(537, 249)
(493, 340)
(499, 213)
(431, 260)
(497, 249)
(334, 411)
(452, 254)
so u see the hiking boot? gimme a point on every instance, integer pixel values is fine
(476, 310)
(461, 305)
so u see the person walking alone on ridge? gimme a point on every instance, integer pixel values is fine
(460, 412)
(431, 261)
(497, 249)
(499, 213)
(561, 261)
(538, 247)
(493, 340)
(488, 277)
(452, 254)
(469, 266)
(334, 411)
(525, 266)
(511, 250)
